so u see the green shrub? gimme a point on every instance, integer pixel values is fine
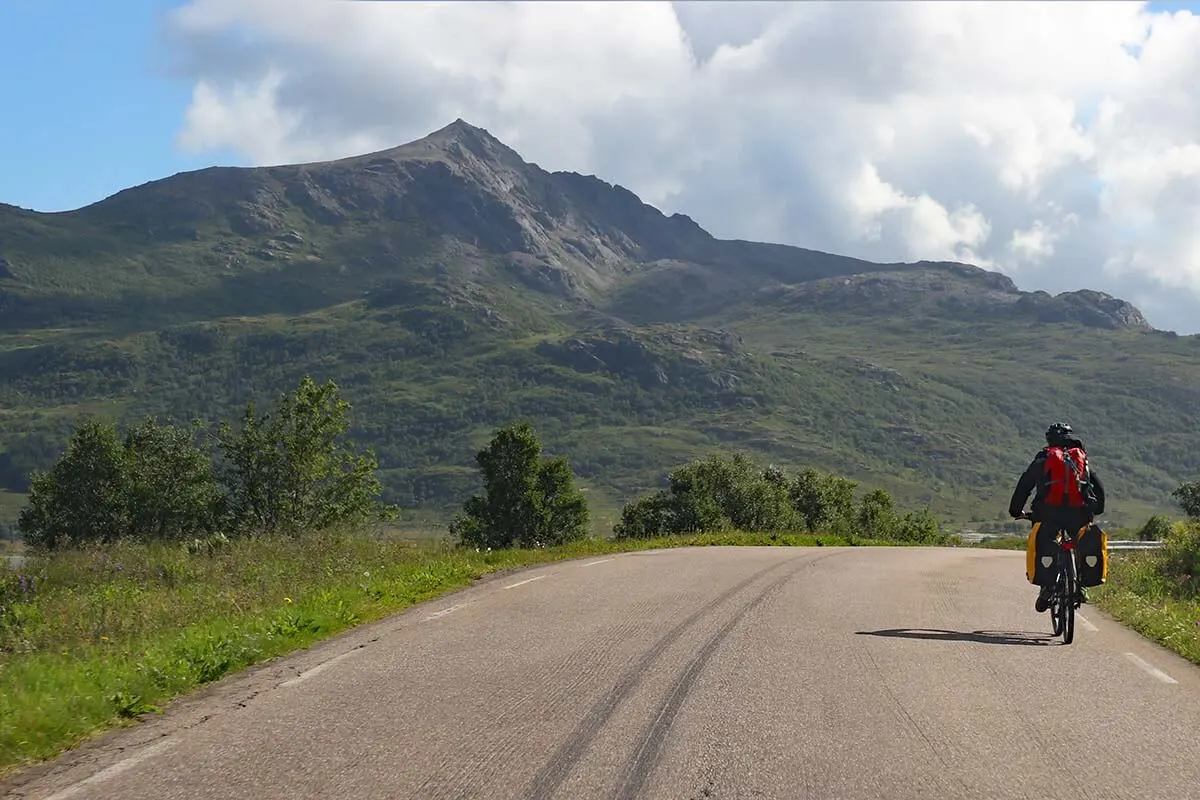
(528, 501)
(725, 492)
(1156, 529)
(285, 472)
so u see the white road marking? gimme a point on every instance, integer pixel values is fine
(1087, 626)
(114, 770)
(522, 583)
(1150, 670)
(303, 676)
(444, 611)
(594, 563)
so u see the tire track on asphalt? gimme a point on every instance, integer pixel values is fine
(495, 745)
(559, 765)
(650, 746)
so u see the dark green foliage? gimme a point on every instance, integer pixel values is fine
(289, 472)
(154, 484)
(823, 501)
(1179, 560)
(285, 471)
(171, 491)
(528, 500)
(1188, 498)
(1156, 529)
(731, 493)
(84, 496)
(876, 514)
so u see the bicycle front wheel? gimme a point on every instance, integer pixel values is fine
(1071, 585)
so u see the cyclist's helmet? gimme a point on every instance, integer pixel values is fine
(1058, 433)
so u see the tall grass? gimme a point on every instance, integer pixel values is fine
(1157, 593)
(94, 637)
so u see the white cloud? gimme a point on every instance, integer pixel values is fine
(1059, 142)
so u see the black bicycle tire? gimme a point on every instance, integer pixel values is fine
(1056, 616)
(1072, 582)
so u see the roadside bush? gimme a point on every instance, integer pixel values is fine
(1179, 560)
(528, 500)
(1156, 529)
(286, 471)
(725, 492)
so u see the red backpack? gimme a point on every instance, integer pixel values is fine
(1067, 478)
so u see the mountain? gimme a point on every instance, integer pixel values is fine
(449, 286)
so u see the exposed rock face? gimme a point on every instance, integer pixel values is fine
(1094, 309)
(575, 238)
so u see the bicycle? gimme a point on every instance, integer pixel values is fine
(1065, 597)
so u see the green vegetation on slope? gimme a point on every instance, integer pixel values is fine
(945, 417)
(451, 287)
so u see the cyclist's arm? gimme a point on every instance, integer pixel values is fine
(1024, 486)
(1098, 490)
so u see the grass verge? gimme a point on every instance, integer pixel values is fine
(1142, 593)
(91, 639)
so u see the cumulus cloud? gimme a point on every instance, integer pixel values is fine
(1057, 142)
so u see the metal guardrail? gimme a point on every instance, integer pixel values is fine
(1133, 544)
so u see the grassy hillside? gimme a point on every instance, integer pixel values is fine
(449, 287)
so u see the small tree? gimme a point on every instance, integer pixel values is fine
(83, 497)
(1188, 498)
(288, 471)
(823, 501)
(170, 488)
(647, 517)
(528, 501)
(876, 515)
(920, 526)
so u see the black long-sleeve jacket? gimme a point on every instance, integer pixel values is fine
(1034, 478)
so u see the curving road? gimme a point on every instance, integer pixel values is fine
(707, 673)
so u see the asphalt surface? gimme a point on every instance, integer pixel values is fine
(705, 673)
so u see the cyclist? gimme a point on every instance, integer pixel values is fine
(1065, 499)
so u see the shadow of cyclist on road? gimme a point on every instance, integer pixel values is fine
(979, 637)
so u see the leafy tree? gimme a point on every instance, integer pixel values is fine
(171, 491)
(84, 496)
(153, 484)
(730, 492)
(1188, 498)
(647, 517)
(876, 515)
(288, 470)
(823, 501)
(528, 500)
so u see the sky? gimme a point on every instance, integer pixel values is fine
(1058, 143)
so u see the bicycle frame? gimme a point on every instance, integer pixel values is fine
(1065, 597)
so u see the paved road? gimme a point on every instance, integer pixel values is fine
(709, 673)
